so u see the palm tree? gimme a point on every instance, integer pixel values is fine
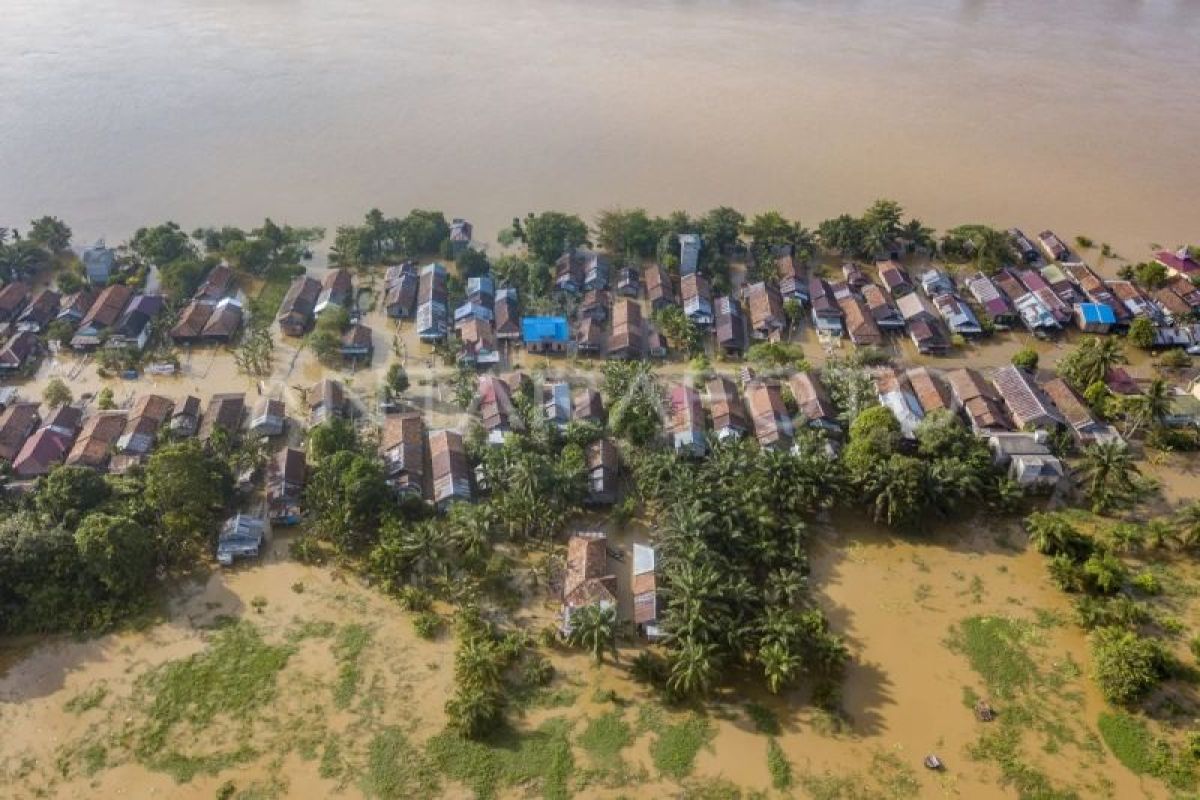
(477, 663)
(918, 236)
(1152, 407)
(780, 665)
(693, 668)
(594, 627)
(1188, 522)
(1159, 533)
(1094, 359)
(1109, 472)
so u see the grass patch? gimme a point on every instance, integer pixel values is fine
(234, 677)
(331, 760)
(1128, 739)
(348, 648)
(778, 765)
(888, 779)
(395, 769)
(675, 749)
(88, 699)
(764, 719)
(540, 759)
(1002, 746)
(605, 737)
(311, 629)
(996, 649)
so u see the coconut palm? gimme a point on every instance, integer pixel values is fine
(918, 236)
(1109, 475)
(1187, 523)
(1159, 533)
(594, 628)
(780, 665)
(1093, 360)
(1153, 407)
(693, 668)
(1051, 534)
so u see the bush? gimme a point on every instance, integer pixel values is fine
(427, 624)
(1147, 583)
(1026, 358)
(1127, 666)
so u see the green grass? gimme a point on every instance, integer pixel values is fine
(234, 677)
(1002, 746)
(778, 765)
(764, 719)
(996, 649)
(348, 648)
(675, 749)
(889, 778)
(396, 770)
(88, 699)
(1128, 739)
(538, 760)
(605, 737)
(264, 306)
(331, 759)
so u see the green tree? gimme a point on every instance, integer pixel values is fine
(681, 332)
(186, 490)
(844, 234)
(51, 233)
(254, 355)
(395, 383)
(594, 628)
(986, 247)
(181, 278)
(1109, 476)
(104, 400)
(1127, 666)
(1092, 361)
(1150, 274)
(1026, 359)
(1141, 333)
(628, 232)
(68, 493)
(346, 495)
(472, 263)
(693, 668)
(57, 394)
(116, 551)
(551, 233)
(1052, 535)
(719, 230)
(162, 244)
(333, 436)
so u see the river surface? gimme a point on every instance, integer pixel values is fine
(1082, 117)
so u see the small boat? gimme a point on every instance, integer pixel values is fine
(933, 762)
(984, 712)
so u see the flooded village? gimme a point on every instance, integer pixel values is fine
(949, 645)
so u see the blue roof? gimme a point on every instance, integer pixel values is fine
(1098, 312)
(545, 329)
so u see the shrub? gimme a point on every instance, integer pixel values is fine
(1026, 358)
(427, 624)
(1147, 583)
(1127, 666)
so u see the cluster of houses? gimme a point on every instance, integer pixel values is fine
(214, 314)
(307, 298)
(588, 581)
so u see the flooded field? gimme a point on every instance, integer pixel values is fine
(352, 680)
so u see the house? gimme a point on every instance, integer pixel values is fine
(269, 417)
(935, 281)
(545, 334)
(645, 593)
(508, 323)
(326, 400)
(103, 314)
(191, 322)
(148, 415)
(17, 351)
(995, 306)
(589, 338)
(594, 305)
(1135, 302)
(792, 284)
(596, 269)
(696, 296)
(460, 236)
(224, 322)
(772, 425)
(97, 440)
(826, 313)
(686, 422)
(557, 404)
(588, 406)
(860, 324)
(432, 297)
(629, 282)
(978, 400)
(99, 263)
(1086, 428)
(74, 307)
(1039, 288)
(689, 253)
(767, 319)
(17, 422)
(958, 315)
(1027, 405)
(730, 325)
(1097, 291)
(894, 278)
(481, 291)
(185, 419)
(224, 413)
(400, 290)
(133, 328)
(402, 446)
(12, 300)
(927, 338)
(1174, 307)
(336, 288)
(1052, 246)
(1029, 461)
(886, 317)
(855, 277)
(286, 475)
(587, 580)
(568, 272)
(49, 444)
(217, 283)
(478, 306)
(931, 393)
(896, 394)
(914, 306)
(1094, 317)
(603, 464)
(726, 408)
(451, 473)
(478, 343)
(1181, 286)
(496, 410)
(813, 403)
(1023, 246)
(241, 536)
(1179, 262)
(658, 288)
(1121, 382)
(656, 343)
(626, 338)
(1059, 283)
(296, 310)
(358, 343)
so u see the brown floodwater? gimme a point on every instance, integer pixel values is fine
(1081, 117)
